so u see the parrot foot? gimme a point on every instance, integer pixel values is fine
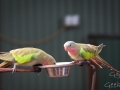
(36, 68)
(84, 63)
(14, 68)
(81, 63)
(76, 62)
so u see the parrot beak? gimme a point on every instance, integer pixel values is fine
(65, 48)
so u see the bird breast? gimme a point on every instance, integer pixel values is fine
(75, 56)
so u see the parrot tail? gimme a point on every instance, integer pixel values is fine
(6, 56)
(104, 63)
(100, 47)
(3, 52)
(95, 62)
(5, 64)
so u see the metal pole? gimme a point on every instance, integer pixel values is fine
(84, 63)
(93, 77)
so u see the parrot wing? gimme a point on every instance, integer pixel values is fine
(87, 52)
(24, 55)
(6, 56)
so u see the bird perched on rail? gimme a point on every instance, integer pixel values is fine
(81, 51)
(28, 56)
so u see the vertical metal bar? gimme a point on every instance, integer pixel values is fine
(93, 77)
(87, 63)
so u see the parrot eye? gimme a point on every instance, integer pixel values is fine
(70, 45)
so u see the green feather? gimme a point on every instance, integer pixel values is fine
(23, 59)
(86, 55)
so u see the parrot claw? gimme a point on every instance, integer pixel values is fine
(14, 68)
(81, 63)
(36, 68)
(76, 62)
(84, 63)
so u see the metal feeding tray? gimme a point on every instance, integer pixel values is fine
(61, 69)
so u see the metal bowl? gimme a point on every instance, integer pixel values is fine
(61, 69)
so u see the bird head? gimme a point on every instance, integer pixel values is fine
(49, 61)
(70, 46)
(45, 58)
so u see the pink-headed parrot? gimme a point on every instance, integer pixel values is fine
(81, 51)
(27, 56)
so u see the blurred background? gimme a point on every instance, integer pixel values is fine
(42, 24)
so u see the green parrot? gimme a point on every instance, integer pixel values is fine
(80, 51)
(28, 56)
